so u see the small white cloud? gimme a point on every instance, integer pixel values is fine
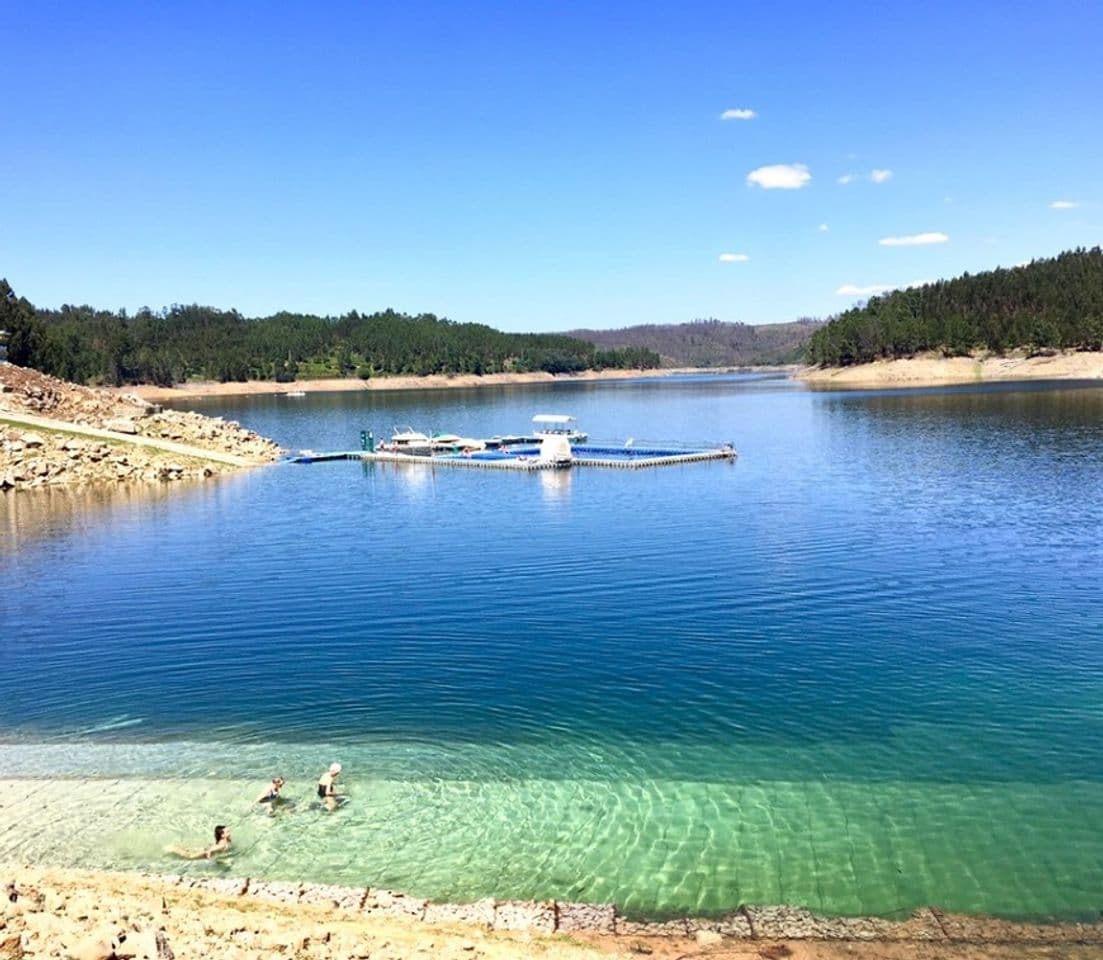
(734, 258)
(846, 178)
(880, 176)
(780, 176)
(850, 290)
(915, 240)
(823, 228)
(919, 283)
(1063, 205)
(740, 114)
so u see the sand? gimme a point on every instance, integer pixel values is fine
(94, 915)
(924, 371)
(933, 370)
(436, 382)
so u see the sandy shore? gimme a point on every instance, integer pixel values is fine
(93, 915)
(260, 387)
(185, 391)
(939, 371)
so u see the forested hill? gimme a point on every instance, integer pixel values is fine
(1045, 305)
(711, 343)
(181, 343)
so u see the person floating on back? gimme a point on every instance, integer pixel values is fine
(221, 844)
(327, 786)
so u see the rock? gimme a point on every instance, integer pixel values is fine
(101, 944)
(709, 938)
(480, 912)
(121, 425)
(672, 928)
(394, 904)
(537, 917)
(598, 917)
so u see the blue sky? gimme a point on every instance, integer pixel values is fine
(540, 166)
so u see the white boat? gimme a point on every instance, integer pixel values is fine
(453, 441)
(557, 425)
(294, 393)
(409, 439)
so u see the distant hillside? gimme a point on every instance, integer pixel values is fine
(710, 343)
(1040, 307)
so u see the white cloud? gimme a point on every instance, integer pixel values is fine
(847, 178)
(915, 240)
(740, 114)
(880, 176)
(823, 228)
(1063, 205)
(850, 290)
(780, 176)
(734, 258)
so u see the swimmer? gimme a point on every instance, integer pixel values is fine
(327, 787)
(272, 792)
(221, 844)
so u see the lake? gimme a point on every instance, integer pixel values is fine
(859, 669)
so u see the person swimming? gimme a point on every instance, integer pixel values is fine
(222, 840)
(327, 787)
(272, 793)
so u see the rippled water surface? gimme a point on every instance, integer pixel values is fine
(859, 670)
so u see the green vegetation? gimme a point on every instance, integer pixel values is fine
(183, 343)
(1047, 305)
(712, 343)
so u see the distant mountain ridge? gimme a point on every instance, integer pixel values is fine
(712, 343)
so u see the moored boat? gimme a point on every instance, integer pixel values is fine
(557, 425)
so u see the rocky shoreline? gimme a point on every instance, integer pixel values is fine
(58, 433)
(92, 915)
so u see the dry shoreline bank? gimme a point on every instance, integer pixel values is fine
(186, 391)
(924, 371)
(932, 371)
(67, 912)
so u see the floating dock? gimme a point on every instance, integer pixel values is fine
(528, 459)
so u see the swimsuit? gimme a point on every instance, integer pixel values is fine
(323, 790)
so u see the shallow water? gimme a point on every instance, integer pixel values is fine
(858, 670)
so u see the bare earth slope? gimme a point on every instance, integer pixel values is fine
(937, 370)
(82, 435)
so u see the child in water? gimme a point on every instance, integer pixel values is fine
(221, 844)
(272, 792)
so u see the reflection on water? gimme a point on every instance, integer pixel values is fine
(556, 484)
(74, 511)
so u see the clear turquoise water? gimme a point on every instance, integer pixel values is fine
(859, 670)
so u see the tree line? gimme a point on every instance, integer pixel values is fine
(713, 343)
(1043, 306)
(181, 343)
